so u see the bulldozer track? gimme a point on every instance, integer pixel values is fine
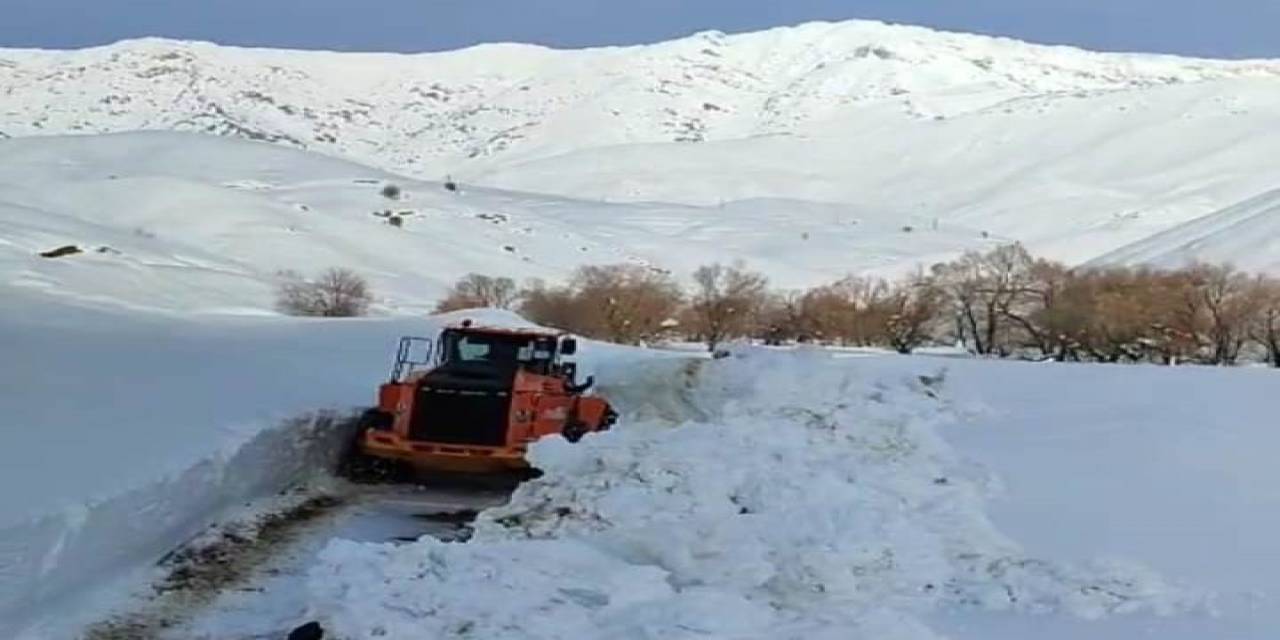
(256, 571)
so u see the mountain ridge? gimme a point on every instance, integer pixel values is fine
(1074, 153)
(421, 113)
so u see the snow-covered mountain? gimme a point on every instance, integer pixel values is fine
(497, 104)
(809, 151)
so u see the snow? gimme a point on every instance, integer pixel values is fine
(846, 132)
(149, 388)
(1245, 235)
(1171, 467)
(126, 433)
(791, 495)
(179, 223)
(776, 493)
(275, 601)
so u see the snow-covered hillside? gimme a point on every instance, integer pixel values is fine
(169, 221)
(1246, 235)
(1075, 153)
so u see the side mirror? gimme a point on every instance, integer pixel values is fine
(568, 346)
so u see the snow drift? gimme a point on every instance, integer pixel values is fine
(45, 562)
(764, 496)
(125, 434)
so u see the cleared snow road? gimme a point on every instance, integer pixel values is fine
(233, 584)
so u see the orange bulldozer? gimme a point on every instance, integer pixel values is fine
(471, 400)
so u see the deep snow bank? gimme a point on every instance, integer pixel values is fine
(770, 495)
(86, 546)
(123, 434)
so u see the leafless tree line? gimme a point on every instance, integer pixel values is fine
(1001, 303)
(1007, 303)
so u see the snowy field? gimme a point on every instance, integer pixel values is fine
(772, 494)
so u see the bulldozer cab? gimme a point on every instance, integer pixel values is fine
(470, 349)
(479, 352)
(474, 397)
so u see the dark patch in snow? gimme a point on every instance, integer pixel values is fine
(309, 631)
(495, 218)
(202, 569)
(65, 250)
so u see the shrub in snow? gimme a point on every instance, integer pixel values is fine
(390, 191)
(478, 291)
(335, 293)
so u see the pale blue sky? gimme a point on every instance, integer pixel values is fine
(1228, 28)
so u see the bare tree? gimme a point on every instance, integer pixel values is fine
(626, 303)
(725, 302)
(476, 291)
(1227, 305)
(1026, 310)
(335, 293)
(623, 303)
(553, 307)
(983, 288)
(913, 306)
(826, 311)
(1120, 314)
(864, 303)
(851, 311)
(782, 318)
(1265, 326)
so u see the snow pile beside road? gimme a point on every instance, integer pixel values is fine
(126, 434)
(780, 495)
(46, 560)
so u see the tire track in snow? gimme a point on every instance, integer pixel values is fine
(251, 570)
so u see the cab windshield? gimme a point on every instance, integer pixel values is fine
(497, 351)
